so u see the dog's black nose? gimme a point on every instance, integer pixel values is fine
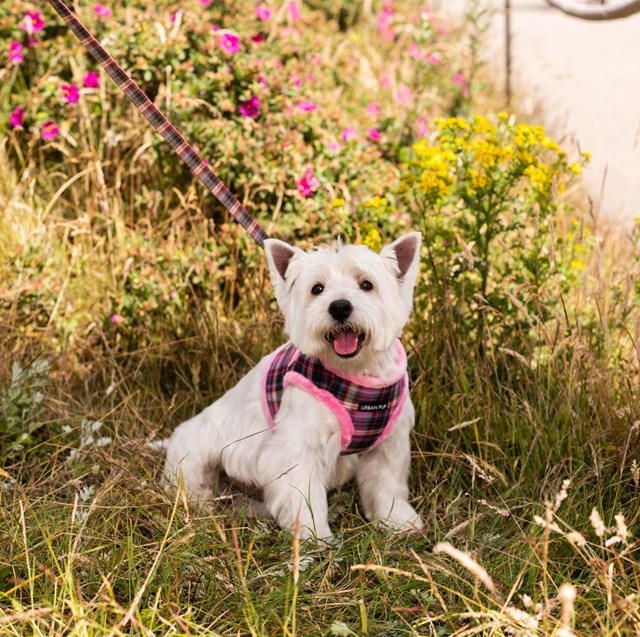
(340, 310)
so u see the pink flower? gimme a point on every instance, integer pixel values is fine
(348, 133)
(385, 80)
(403, 95)
(373, 110)
(433, 58)
(461, 81)
(101, 11)
(91, 79)
(116, 319)
(49, 130)
(294, 11)
(384, 23)
(296, 80)
(16, 54)
(250, 108)
(257, 38)
(307, 106)
(205, 2)
(374, 134)
(308, 184)
(416, 53)
(32, 22)
(70, 93)
(17, 117)
(422, 130)
(334, 146)
(229, 43)
(263, 13)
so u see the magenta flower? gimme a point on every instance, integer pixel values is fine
(294, 11)
(307, 106)
(229, 43)
(32, 22)
(416, 52)
(374, 134)
(422, 130)
(461, 81)
(403, 95)
(257, 38)
(348, 133)
(308, 184)
(250, 108)
(91, 79)
(384, 23)
(101, 11)
(373, 110)
(205, 2)
(17, 117)
(263, 13)
(49, 130)
(16, 54)
(70, 93)
(116, 319)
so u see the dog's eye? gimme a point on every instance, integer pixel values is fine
(366, 286)
(318, 288)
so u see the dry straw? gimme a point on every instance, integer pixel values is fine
(467, 561)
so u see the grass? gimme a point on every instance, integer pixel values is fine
(90, 545)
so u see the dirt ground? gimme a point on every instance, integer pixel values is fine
(584, 77)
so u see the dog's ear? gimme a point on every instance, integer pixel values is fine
(279, 255)
(404, 254)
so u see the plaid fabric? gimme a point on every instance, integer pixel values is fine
(186, 152)
(370, 409)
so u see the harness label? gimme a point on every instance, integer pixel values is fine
(372, 406)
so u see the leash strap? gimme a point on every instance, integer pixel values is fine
(186, 152)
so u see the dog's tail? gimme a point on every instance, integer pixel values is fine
(158, 445)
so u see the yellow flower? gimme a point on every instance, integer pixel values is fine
(376, 202)
(434, 185)
(576, 169)
(540, 178)
(337, 202)
(372, 238)
(578, 264)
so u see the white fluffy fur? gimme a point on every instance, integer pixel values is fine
(300, 461)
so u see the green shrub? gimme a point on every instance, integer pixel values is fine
(486, 198)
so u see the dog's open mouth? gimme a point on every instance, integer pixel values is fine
(346, 343)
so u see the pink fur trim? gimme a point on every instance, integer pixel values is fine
(346, 424)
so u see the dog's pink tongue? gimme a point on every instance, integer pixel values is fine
(345, 343)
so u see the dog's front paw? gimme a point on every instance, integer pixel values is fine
(402, 518)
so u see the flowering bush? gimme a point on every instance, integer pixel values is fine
(485, 195)
(290, 110)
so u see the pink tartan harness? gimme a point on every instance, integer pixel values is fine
(366, 407)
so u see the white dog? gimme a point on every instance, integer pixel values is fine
(330, 405)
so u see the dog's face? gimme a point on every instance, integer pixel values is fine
(345, 305)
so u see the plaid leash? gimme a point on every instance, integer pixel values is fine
(186, 152)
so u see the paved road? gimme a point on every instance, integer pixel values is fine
(585, 79)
